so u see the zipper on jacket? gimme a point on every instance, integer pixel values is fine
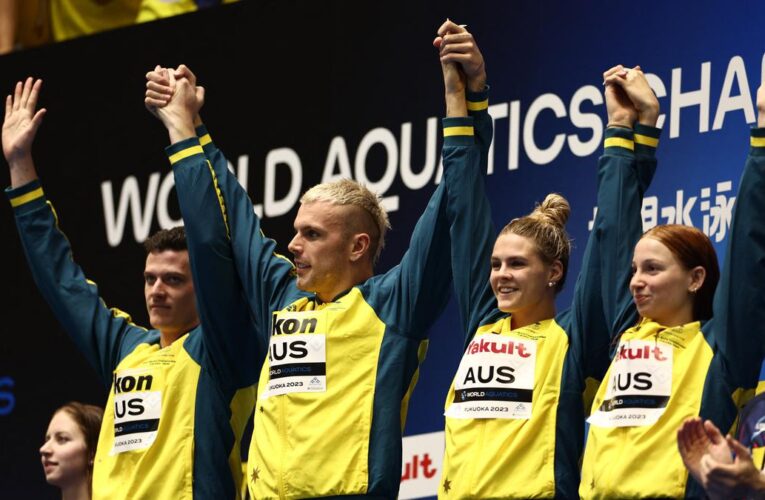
(283, 435)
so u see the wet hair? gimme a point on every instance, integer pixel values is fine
(166, 239)
(545, 226)
(350, 192)
(88, 419)
(692, 248)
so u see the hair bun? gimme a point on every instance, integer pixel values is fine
(554, 210)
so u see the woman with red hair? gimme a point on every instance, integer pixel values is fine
(694, 351)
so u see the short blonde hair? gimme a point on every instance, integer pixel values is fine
(351, 193)
(545, 226)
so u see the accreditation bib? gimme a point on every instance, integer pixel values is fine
(639, 385)
(297, 353)
(495, 379)
(137, 409)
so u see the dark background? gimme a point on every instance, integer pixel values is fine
(296, 74)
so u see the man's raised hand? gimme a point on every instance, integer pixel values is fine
(21, 121)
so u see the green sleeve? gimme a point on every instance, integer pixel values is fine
(739, 304)
(267, 277)
(602, 306)
(413, 294)
(235, 349)
(105, 336)
(472, 231)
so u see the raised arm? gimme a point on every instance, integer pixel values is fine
(472, 231)
(236, 351)
(617, 299)
(602, 306)
(420, 283)
(739, 306)
(266, 276)
(103, 335)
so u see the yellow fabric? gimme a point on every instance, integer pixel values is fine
(591, 386)
(758, 457)
(241, 411)
(621, 142)
(505, 458)
(26, 198)
(152, 10)
(185, 153)
(297, 434)
(646, 140)
(757, 142)
(422, 351)
(450, 131)
(73, 18)
(477, 105)
(164, 470)
(643, 462)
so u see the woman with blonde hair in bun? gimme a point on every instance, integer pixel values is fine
(514, 413)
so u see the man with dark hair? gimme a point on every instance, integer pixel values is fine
(177, 410)
(166, 239)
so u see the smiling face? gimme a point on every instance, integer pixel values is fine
(520, 279)
(169, 292)
(323, 249)
(661, 286)
(64, 454)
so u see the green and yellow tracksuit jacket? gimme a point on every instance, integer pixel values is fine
(175, 416)
(661, 376)
(334, 389)
(514, 413)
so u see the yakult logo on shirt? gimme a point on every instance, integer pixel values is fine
(497, 347)
(639, 385)
(644, 352)
(495, 379)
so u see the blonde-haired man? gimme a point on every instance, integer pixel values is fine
(370, 218)
(344, 344)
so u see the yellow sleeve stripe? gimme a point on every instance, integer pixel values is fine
(205, 140)
(758, 142)
(221, 201)
(478, 105)
(26, 198)
(620, 142)
(185, 153)
(646, 140)
(451, 131)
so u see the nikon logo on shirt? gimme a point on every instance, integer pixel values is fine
(288, 326)
(129, 383)
(137, 410)
(297, 353)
